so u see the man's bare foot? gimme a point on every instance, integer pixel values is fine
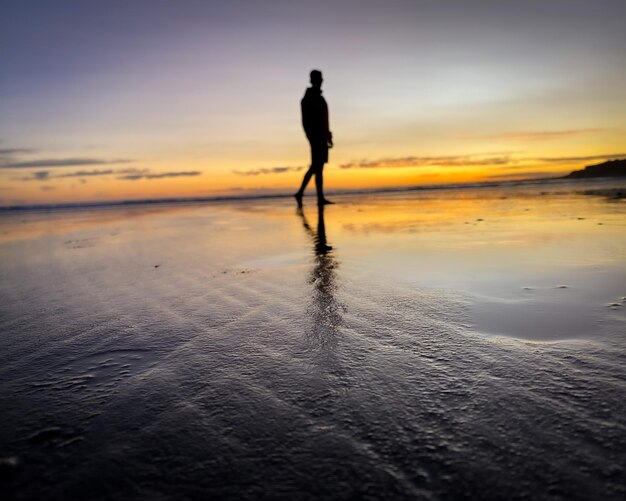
(325, 201)
(298, 198)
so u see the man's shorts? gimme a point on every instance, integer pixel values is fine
(319, 152)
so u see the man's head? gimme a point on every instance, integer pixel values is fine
(316, 78)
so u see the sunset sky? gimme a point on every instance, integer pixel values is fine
(112, 100)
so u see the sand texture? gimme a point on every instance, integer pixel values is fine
(461, 344)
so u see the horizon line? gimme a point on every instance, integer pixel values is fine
(261, 196)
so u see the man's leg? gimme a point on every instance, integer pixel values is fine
(305, 181)
(319, 184)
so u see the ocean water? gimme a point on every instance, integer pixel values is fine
(449, 345)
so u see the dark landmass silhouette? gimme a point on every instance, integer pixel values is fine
(612, 168)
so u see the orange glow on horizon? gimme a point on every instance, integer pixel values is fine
(246, 175)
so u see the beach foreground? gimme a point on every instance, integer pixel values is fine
(441, 344)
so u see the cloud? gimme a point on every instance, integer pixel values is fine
(44, 174)
(15, 151)
(63, 162)
(47, 187)
(437, 161)
(540, 135)
(267, 170)
(522, 175)
(591, 158)
(512, 162)
(135, 177)
(85, 173)
(104, 172)
(130, 174)
(41, 175)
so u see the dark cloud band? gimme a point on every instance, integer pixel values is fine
(437, 161)
(63, 162)
(135, 177)
(611, 156)
(15, 151)
(130, 174)
(267, 170)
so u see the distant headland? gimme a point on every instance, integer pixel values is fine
(612, 168)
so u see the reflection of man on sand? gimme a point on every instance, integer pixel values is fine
(315, 122)
(319, 236)
(325, 309)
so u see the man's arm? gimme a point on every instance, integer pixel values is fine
(329, 134)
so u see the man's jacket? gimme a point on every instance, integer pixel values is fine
(315, 116)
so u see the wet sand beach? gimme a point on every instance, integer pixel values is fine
(445, 344)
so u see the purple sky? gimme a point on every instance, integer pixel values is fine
(214, 86)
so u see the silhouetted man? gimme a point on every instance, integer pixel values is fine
(315, 122)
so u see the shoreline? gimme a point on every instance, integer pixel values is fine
(218, 199)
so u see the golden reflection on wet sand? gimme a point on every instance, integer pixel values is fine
(518, 253)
